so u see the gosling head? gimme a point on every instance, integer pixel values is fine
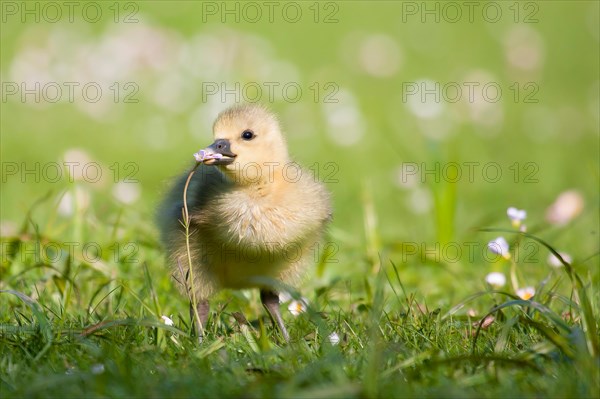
(251, 144)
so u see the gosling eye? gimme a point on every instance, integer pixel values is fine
(248, 134)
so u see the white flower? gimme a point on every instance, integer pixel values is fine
(284, 297)
(76, 161)
(499, 246)
(496, 279)
(526, 293)
(167, 320)
(334, 338)
(554, 262)
(567, 206)
(69, 203)
(200, 155)
(8, 228)
(204, 155)
(488, 321)
(127, 193)
(516, 216)
(379, 55)
(65, 204)
(296, 307)
(97, 368)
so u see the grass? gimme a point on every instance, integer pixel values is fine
(94, 329)
(83, 294)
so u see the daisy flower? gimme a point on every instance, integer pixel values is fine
(496, 279)
(526, 293)
(516, 216)
(296, 307)
(555, 262)
(334, 338)
(499, 246)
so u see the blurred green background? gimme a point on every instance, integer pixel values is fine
(357, 120)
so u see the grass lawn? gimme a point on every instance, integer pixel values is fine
(427, 121)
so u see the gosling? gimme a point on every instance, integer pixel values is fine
(254, 216)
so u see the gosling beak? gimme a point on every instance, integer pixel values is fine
(222, 147)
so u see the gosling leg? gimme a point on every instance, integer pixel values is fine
(270, 301)
(203, 309)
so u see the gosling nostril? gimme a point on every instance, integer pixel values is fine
(222, 147)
